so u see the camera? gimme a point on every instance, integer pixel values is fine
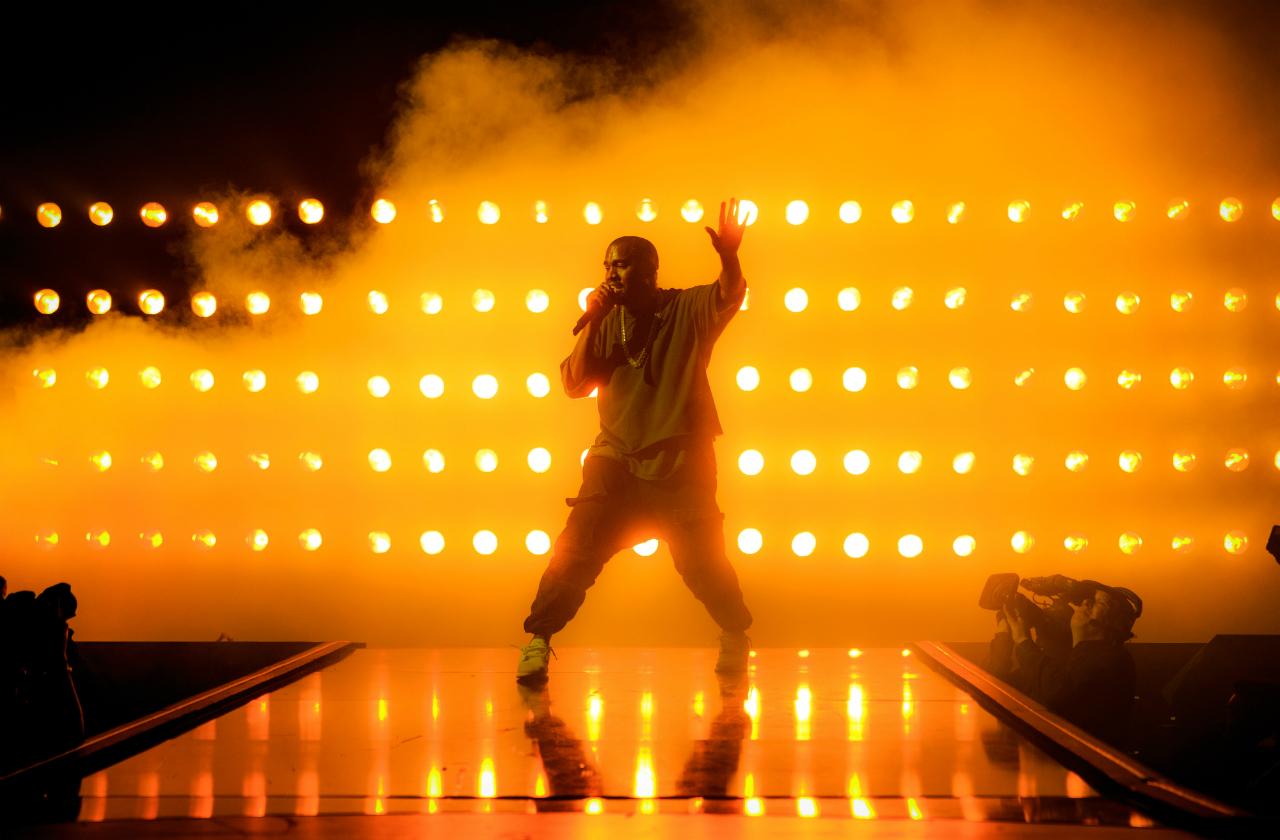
(1048, 611)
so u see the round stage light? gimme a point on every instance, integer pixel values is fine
(1023, 463)
(1073, 302)
(205, 461)
(204, 304)
(486, 460)
(797, 212)
(1237, 460)
(308, 382)
(204, 539)
(751, 462)
(541, 212)
(1129, 379)
(1075, 543)
(583, 294)
(910, 546)
(310, 211)
(1127, 303)
(485, 386)
(908, 377)
(592, 213)
(261, 460)
(956, 213)
(848, 299)
(748, 378)
(538, 543)
(960, 378)
(1181, 378)
(539, 459)
(98, 301)
(258, 540)
(101, 460)
(909, 462)
(1021, 302)
(488, 213)
(202, 379)
(485, 542)
(856, 462)
(97, 377)
(482, 300)
(310, 539)
(435, 211)
(153, 461)
(1130, 542)
(432, 542)
(964, 545)
(1130, 460)
(1184, 460)
(1018, 211)
(311, 461)
(1230, 210)
(378, 386)
(1235, 542)
(98, 538)
(1022, 542)
(646, 210)
(258, 212)
(100, 213)
(748, 212)
(1124, 211)
(311, 303)
(856, 545)
(803, 544)
(803, 462)
(47, 377)
(47, 301)
(538, 385)
(750, 540)
(153, 214)
(903, 296)
(796, 300)
(151, 539)
(962, 463)
(1180, 301)
(49, 215)
(1182, 543)
(151, 302)
(1076, 461)
(383, 211)
(537, 300)
(254, 381)
(854, 379)
(955, 297)
(1072, 210)
(433, 460)
(691, 211)
(379, 542)
(258, 303)
(801, 380)
(377, 302)
(648, 548)
(205, 214)
(1075, 378)
(903, 212)
(1235, 300)
(1178, 209)
(1235, 378)
(431, 303)
(850, 212)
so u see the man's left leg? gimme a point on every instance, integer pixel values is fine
(697, 547)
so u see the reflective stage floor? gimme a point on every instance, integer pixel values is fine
(833, 735)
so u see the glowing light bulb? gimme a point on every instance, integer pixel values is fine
(383, 211)
(797, 212)
(101, 460)
(379, 542)
(1235, 379)
(538, 543)
(537, 301)
(379, 460)
(310, 539)
(378, 386)
(1182, 543)
(254, 381)
(850, 212)
(856, 462)
(153, 461)
(854, 379)
(1235, 300)
(1129, 379)
(308, 382)
(646, 210)
(151, 302)
(100, 213)
(433, 460)
(202, 380)
(1072, 211)
(98, 301)
(1022, 542)
(310, 211)
(1230, 210)
(956, 213)
(1184, 460)
(801, 380)
(1130, 542)
(964, 545)
(205, 214)
(1178, 209)
(47, 301)
(47, 377)
(1077, 461)
(803, 544)
(1127, 303)
(1073, 302)
(1075, 543)
(258, 303)
(910, 545)
(151, 539)
(258, 212)
(49, 215)
(750, 540)
(1075, 378)
(856, 545)
(1130, 460)
(205, 461)
(583, 294)
(311, 303)
(962, 463)
(539, 459)
(902, 297)
(748, 378)
(431, 303)
(488, 213)
(486, 460)
(908, 377)
(204, 304)
(803, 462)
(1180, 301)
(1023, 463)
(482, 300)
(485, 386)
(485, 542)
(748, 212)
(848, 299)
(261, 460)
(751, 462)
(311, 461)
(1237, 460)
(538, 385)
(1021, 302)
(97, 377)
(960, 378)
(1235, 542)
(98, 538)
(592, 213)
(1124, 211)
(796, 300)
(955, 298)
(377, 302)
(1181, 378)
(258, 540)
(648, 548)
(432, 542)
(909, 462)
(691, 211)
(204, 539)
(1018, 211)
(1023, 378)
(903, 212)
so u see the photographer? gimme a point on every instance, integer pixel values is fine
(1091, 680)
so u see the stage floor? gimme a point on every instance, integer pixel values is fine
(830, 734)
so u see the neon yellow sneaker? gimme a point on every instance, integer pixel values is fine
(534, 658)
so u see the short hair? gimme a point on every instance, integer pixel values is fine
(640, 248)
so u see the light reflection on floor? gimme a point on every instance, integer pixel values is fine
(875, 735)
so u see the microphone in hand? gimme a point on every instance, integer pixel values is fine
(600, 302)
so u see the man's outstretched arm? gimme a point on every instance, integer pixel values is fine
(726, 241)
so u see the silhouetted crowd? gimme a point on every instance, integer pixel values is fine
(40, 711)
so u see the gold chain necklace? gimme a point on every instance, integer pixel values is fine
(644, 354)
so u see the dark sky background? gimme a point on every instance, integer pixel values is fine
(145, 107)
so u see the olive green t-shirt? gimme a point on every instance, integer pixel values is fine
(657, 417)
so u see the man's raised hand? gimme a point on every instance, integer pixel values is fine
(729, 237)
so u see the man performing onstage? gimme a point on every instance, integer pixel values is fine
(652, 466)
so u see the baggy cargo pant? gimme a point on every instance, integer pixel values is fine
(606, 515)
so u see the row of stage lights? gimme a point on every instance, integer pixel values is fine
(537, 301)
(485, 386)
(750, 542)
(796, 212)
(751, 462)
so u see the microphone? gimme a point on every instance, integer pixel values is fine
(596, 308)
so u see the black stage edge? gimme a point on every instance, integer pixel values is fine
(47, 777)
(1106, 768)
